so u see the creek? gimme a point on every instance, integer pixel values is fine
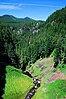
(32, 91)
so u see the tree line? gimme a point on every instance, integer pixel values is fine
(24, 43)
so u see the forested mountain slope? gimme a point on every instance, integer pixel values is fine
(10, 18)
(31, 40)
(43, 39)
(56, 28)
(22, 42)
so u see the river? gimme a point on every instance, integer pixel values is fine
(32, 91)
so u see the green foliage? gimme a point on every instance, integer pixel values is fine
(53, 90)
(7, 46)
(58, 16)
(24, 41)
(52, 37)
(28, 39)
(17, 84)
(62, 67)
(53, 53)
(55, 26)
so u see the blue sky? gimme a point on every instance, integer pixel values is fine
(36, 9)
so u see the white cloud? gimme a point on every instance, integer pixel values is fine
(7, 7)
(40, 5)
(10, 6)
(4, 5)
(7, 3)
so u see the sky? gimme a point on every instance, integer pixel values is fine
(36, 9)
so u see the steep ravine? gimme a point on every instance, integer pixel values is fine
(32, 91)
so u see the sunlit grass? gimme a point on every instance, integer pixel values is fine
(17, 84)
(55, 90)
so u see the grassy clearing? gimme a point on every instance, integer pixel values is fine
(47, 90)
(17, 84)
(55, 90)
(36, 71)
(46, 63)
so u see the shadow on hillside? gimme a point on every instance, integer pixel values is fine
(4, 60)
(2, 79)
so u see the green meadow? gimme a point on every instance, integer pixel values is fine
(49, 90)
(17, 84)
(54, 90)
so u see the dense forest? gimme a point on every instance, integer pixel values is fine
(26, 41)
(23, 41)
